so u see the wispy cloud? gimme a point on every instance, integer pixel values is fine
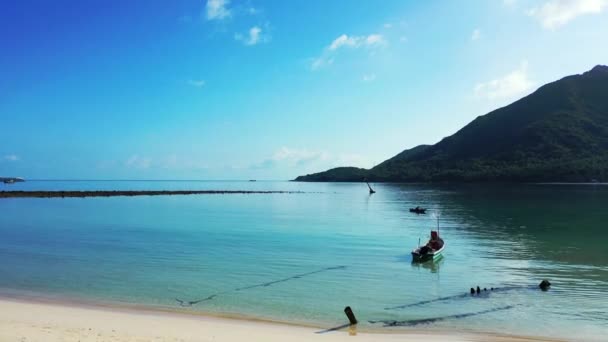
(168, 162)
(357, 41)
(174, 162)
(555, 13)
(476, 34)
(514, 83)
(306, 158)
(197, 83)
(138, 162)
(299, 157)
(292, 157)
(11, 157)
(344, 41)
(369, 77)
(254, 36)
(321, 62)
(217, 9)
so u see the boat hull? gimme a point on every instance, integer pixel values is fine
(417, 257)
(417, 211)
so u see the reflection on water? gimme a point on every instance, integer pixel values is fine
(154, 250)
(431, 265)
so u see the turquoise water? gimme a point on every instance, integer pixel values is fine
(348, 248)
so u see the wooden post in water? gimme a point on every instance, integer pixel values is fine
(351, 316)
(371, 191)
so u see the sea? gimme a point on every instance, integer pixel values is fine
(302, 257)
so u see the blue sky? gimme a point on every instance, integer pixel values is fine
(266, 89)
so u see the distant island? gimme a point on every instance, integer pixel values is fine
(559, 133)
(11, 180)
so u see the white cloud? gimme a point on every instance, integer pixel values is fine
(197, 83)
(387, 25)
(137, 162)
(371, 41)
(369, 77)
(555, 13)
(357, 41)
(375, 39)
(476, 34)
(254, 36)
(217, 9)
(343, 40)
(11, 157)
(513, 84)
(509, 3)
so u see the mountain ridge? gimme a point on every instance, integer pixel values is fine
(557, 133)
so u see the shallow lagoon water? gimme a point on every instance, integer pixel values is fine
(151, 250)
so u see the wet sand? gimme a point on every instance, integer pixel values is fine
(30, 320)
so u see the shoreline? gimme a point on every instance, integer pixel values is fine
(56, 319)
(130, 193)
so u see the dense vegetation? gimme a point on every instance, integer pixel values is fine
(558, 133)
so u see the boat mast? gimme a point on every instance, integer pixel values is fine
(437, 223)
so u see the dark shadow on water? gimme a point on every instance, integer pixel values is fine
(431, 265)
(531, 217)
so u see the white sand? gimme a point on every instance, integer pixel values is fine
(41, 321)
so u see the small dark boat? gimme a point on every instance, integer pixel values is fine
(418, 210)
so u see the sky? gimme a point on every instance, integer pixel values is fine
(252, 89)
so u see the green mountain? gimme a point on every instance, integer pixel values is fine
(558, 133)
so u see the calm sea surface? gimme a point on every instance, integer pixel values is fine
(302, 257)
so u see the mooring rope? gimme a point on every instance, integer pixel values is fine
(186, 303)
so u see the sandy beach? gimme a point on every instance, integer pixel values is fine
(22, 320)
